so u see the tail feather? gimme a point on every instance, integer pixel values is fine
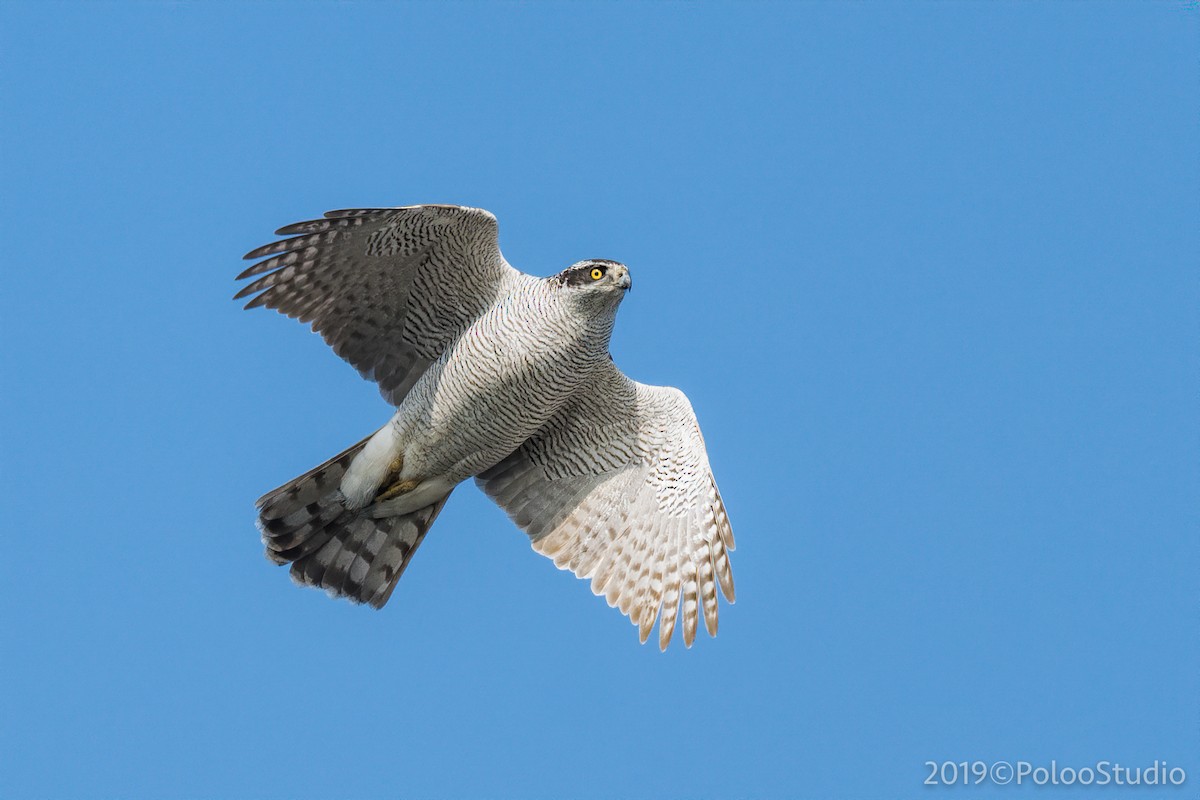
(353, 539)
(396, 551)
(311, 487)
(289, 544)
(344, 551)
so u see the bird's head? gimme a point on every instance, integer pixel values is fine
(596, 278)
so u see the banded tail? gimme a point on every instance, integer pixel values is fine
(344, 551)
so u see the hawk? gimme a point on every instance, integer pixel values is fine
(498, 376)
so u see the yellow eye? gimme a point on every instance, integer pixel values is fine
(597, 273)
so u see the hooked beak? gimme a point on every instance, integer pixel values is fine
(624, 281)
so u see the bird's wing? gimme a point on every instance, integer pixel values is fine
(617, 488)
(387, 288)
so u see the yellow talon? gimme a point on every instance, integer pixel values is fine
(397, 489)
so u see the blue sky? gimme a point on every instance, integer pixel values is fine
(928, 273)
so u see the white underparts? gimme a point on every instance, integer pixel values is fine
(370, 467)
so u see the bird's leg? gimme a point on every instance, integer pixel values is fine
(397, 489)
(395, 467)
(390, 487)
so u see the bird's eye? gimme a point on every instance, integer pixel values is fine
(597, 273)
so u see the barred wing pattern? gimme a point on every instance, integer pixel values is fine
(617, 488)
(387, 288)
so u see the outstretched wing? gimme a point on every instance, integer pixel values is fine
(387, 288)
(617, 488)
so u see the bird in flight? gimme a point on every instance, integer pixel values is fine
(498, 376)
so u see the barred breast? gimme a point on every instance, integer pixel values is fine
(500, 382)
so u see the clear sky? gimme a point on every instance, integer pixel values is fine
(928, 273)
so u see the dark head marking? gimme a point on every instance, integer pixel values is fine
(583, 273)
